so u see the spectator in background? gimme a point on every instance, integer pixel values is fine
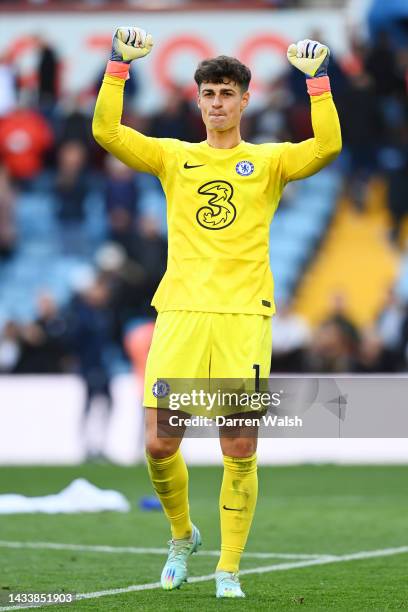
(340, 316)
(71, 188)
(34, 357)
(150, 251)
(71, 185)
(371, 355)
(121, 197)
(10, 347)
(291, 337)
(363, 134)
(75, 124)
(331, 350)
(382, 66)
(394, 163)
(89, 330)
(8, 229)
(125, 279)
(176, 119)
(42, 343)
(25, 138)
(47, 75)
(8, 89)
(137, 341)
(53, 324)
(404, 338)
(375, 115)
(389, 327)
(336, 341)
(269, 124)
(354, 62)
(134, 279)
(89, 324)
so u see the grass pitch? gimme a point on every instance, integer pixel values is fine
(302, 511)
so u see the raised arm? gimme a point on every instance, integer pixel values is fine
(308, 157)
(131, 147)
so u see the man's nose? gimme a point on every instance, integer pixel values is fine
(217, 101)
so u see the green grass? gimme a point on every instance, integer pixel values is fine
(307, 509)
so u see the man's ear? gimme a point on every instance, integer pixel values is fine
(245, 100)
(198, 98)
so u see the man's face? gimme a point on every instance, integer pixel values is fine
(221, 105)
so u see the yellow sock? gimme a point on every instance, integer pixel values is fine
(169, 478)
(239, 491)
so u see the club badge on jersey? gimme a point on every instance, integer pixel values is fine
(244, 168)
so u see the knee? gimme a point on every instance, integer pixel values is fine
(239, 447)
(160, 448)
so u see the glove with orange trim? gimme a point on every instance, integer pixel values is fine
(129, 43)
(310, 57)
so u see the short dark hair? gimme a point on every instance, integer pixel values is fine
(221, 69)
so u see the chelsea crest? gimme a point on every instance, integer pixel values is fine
(244, 168)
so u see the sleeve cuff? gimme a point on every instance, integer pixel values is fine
(118, 69)
(318, 86)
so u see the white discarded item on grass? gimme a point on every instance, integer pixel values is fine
(79, 496)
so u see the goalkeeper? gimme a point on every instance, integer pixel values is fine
(215, 300)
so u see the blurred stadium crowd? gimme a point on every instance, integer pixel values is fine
(62, 198)
(96, 4)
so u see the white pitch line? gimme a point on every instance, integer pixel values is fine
(368, 554)
(139, 551)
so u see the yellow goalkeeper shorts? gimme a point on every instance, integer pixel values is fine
(206, 345)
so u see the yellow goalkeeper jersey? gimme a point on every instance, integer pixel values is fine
(220, 203)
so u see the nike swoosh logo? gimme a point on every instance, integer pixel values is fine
(188, 166)
(235, 509)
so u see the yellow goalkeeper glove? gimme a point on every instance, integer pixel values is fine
(310, 57)
(129, 44)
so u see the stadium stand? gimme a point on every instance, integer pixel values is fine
(56, 216)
